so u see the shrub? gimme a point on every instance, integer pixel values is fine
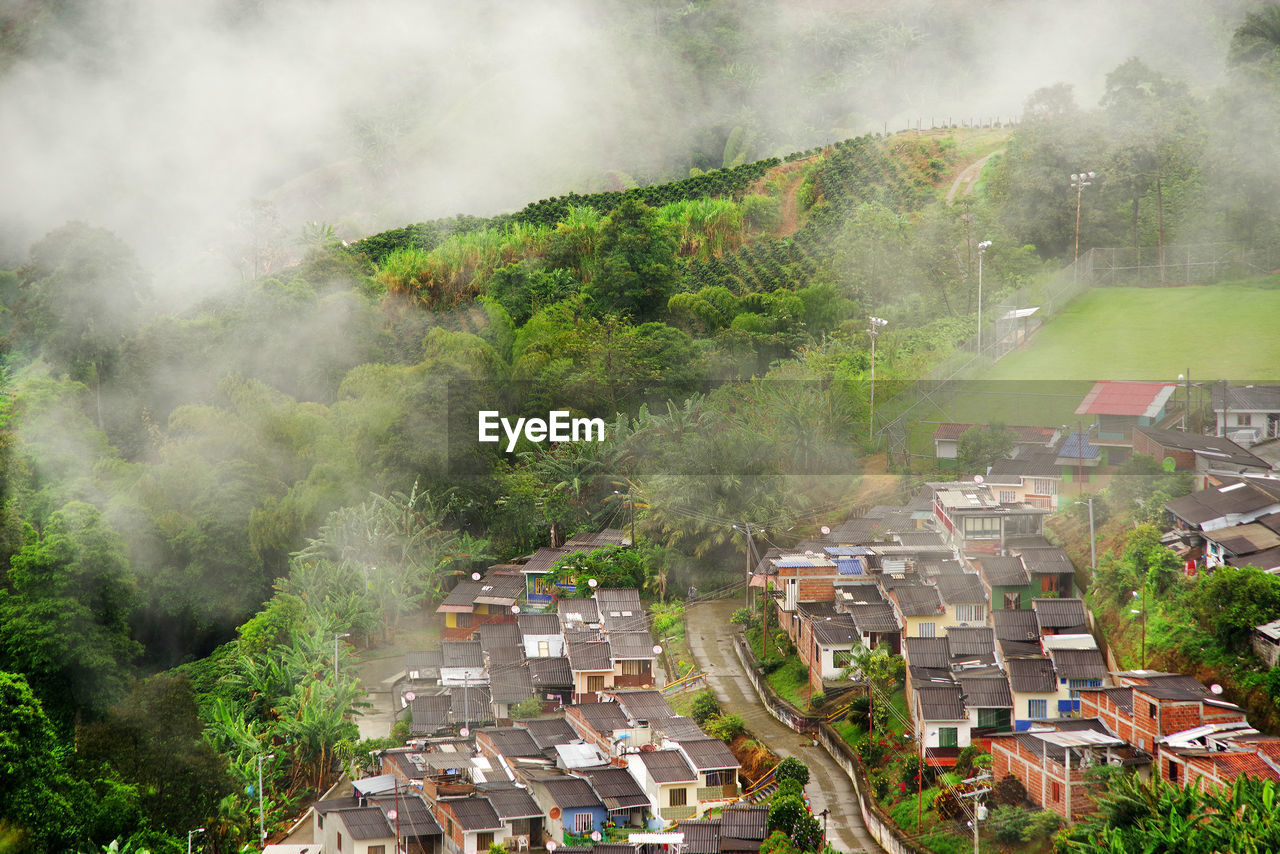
(1008, 823)
(879, 785)
(792, 769)
(741, 617)
(965, 761)
(778, 843)
(725, 727)
(817, 701)
(950, 806)
(911, 772)
(529, 707)
(705, 707)
(789, 787)
(1009, 791)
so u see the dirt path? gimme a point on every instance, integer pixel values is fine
(968, 178)
(712, 644)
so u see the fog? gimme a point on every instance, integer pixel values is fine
(163, 120)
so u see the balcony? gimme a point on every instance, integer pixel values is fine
(677, 813)
(717, 793)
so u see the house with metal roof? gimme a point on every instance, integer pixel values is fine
(548, 732)
(974, 519)
(569, 803)
(1006, 580)
(1050, 762)
(827, 644)
(470, 824)
(1034, 479)
(988, 702)
(972, 647)
(964, 598)
(1197, 453)
(474, 603)
(1017, 634)
(1078, 665)
(1033, 685)
(1247, 414)
(354, 828)
(591, 661)
(540, 634)
(1119, 407)
(942, 722)
(626, 802)
(462, 663)
(946, 438)
(1060, 616)
(919, 609)
(668, 780)
(717, 770)
(552, 680)
(517, 809)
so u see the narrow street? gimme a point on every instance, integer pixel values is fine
(711, 642)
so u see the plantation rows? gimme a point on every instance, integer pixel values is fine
(858, 172)
(788, 263)
(720, 183)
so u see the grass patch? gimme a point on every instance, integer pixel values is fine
(791, 682)
(1149, 334)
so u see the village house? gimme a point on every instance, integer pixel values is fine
(1006, 580)
(669, 782)
(1033, 684)
(1247, 414)
(1119, 407)
(1051, 763)
(974, 520)
(470, 824)
(1197, 453)
(946, 438)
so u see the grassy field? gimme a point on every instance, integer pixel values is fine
(1226, 330)
(1215, 331)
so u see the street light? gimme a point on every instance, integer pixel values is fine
(337, 638)
(1143, 594)
(877, 323)
(1079, 181)
(191, 833)
(982, 250)
(262, 816)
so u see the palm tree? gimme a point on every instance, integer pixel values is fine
(1256, 42)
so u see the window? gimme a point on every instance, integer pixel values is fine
(721, 778)
(595, 683)
(320, 820)
(1074, 686)
(483, 841)
(1152, 711)
(632, 668)
(982, 527)
(377, 849)
(1055, 790)
(1244, 419)
(971, 613)
(1173, 771)
(339, 840)
(927, 630)
(841, 658)
(462, 621)
(544, 649)
(582, 823)
(1008, 496)
(678, 797)
(1012, 601)
(993, 718)
(1044, 486)
(1037, 709)
(948, 736)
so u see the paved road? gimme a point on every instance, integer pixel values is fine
(829, 788)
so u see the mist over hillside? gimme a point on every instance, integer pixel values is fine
(163, 121)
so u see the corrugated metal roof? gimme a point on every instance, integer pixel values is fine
(739, 821)
(550, 672)
(1059, 613)
(986, 692)
(1032, 675)
(1109, 397)
(928, 652)
(1016, 624)
(666, 766)
(941, 703)
(708, 754)
(548, 732)
(472, 813)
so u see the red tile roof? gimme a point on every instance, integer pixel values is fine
(1126, 398)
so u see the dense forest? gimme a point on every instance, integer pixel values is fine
(198, 500)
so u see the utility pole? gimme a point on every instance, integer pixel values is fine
(1079, 180)
(982, 250)
(877, 323)
(262, 815)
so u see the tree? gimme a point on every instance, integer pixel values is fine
(791, 815)
(1009, 791)
(154, 741)
(1231, 600)
(635, 264)
(704, 707)
(980, 447)
(778, 842)
(1256, 42)
(34, 782)
(610, 567)
(529, 707)
(67, 617)
(791, 768)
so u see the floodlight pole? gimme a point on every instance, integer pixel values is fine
(982, 250)
(262, 816)
(876, 324)
(1079, 181)
(337, 638)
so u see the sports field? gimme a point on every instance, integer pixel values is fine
(1229, 331)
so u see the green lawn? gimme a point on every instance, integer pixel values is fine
(1225, 330)
(1215, 331)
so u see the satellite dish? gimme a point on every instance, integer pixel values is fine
(808, 551)
(825, 530)
(977, 478)
(657, 649)
(464, 732)
(392, 814)
(410, 696)
(554, 813)
(515, 609)
(595, 836)
(475, 576)
(1215, 688)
